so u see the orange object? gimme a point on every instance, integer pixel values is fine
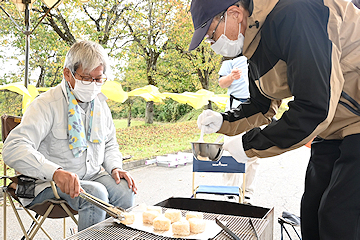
(309, 143)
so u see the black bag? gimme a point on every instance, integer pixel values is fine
(25, 187)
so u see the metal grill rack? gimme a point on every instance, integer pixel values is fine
(109, 229)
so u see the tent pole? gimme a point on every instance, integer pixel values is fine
(27, 42)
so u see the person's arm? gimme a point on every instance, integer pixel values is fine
(309, 58)
(113, 156)
(258, 110)
(226, 81)
(20, 148)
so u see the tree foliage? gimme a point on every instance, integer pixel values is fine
(191, 70)
(147, 42)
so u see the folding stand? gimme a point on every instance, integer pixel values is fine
(292, 220)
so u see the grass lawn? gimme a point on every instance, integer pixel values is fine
(146, 141)
(149, 141)
(122, 123)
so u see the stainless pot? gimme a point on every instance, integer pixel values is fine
(207, 151)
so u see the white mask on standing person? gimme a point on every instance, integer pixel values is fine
(226, 47)
(85, 93)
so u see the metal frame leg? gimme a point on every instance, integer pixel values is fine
(4, 217)
(282, 226)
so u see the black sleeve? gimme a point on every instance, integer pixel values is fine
(296, 33)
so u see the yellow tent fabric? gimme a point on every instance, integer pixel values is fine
(220, 100)
(199, 99)
(193, 99)
(114, 91)
(43, 89)
(205, 92)
(16, 87)
(149, 93)
(19, 88)
(28, 99)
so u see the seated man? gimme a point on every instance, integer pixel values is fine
(67, 135)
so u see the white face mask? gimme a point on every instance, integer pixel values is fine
(226, 47)
(85, 93)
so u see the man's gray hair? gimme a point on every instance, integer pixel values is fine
(86, 54)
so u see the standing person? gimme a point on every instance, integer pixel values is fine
(234, 76)
(67, 135)
(309, 50)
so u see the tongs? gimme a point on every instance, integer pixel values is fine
(226, 229)
(231, 233)
(115, 212)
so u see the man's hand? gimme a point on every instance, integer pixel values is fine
(235, 74)
(234, 146)
(67, 182)
(210, 121)
(117, 174)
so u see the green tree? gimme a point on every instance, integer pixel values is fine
(148, 23)
(10, 103)
(45, 48)
(189, 70)
(147, 42)
(97, 20)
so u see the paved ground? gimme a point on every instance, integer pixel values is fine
(279, 184)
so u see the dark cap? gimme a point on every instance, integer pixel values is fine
(203, 12)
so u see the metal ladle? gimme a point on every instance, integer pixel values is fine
(201, 139)
(218, 139)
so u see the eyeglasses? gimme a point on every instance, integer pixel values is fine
(87, 80)
(210, 39)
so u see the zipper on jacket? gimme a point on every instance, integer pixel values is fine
(355, 109)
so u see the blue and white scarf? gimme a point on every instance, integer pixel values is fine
(77, 140)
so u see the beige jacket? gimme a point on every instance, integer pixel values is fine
(309, 50)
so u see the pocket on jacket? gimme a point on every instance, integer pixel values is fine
(59, 143)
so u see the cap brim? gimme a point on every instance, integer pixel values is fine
(199, 35)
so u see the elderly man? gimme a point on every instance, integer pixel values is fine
(67, 135)
(309, 50)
